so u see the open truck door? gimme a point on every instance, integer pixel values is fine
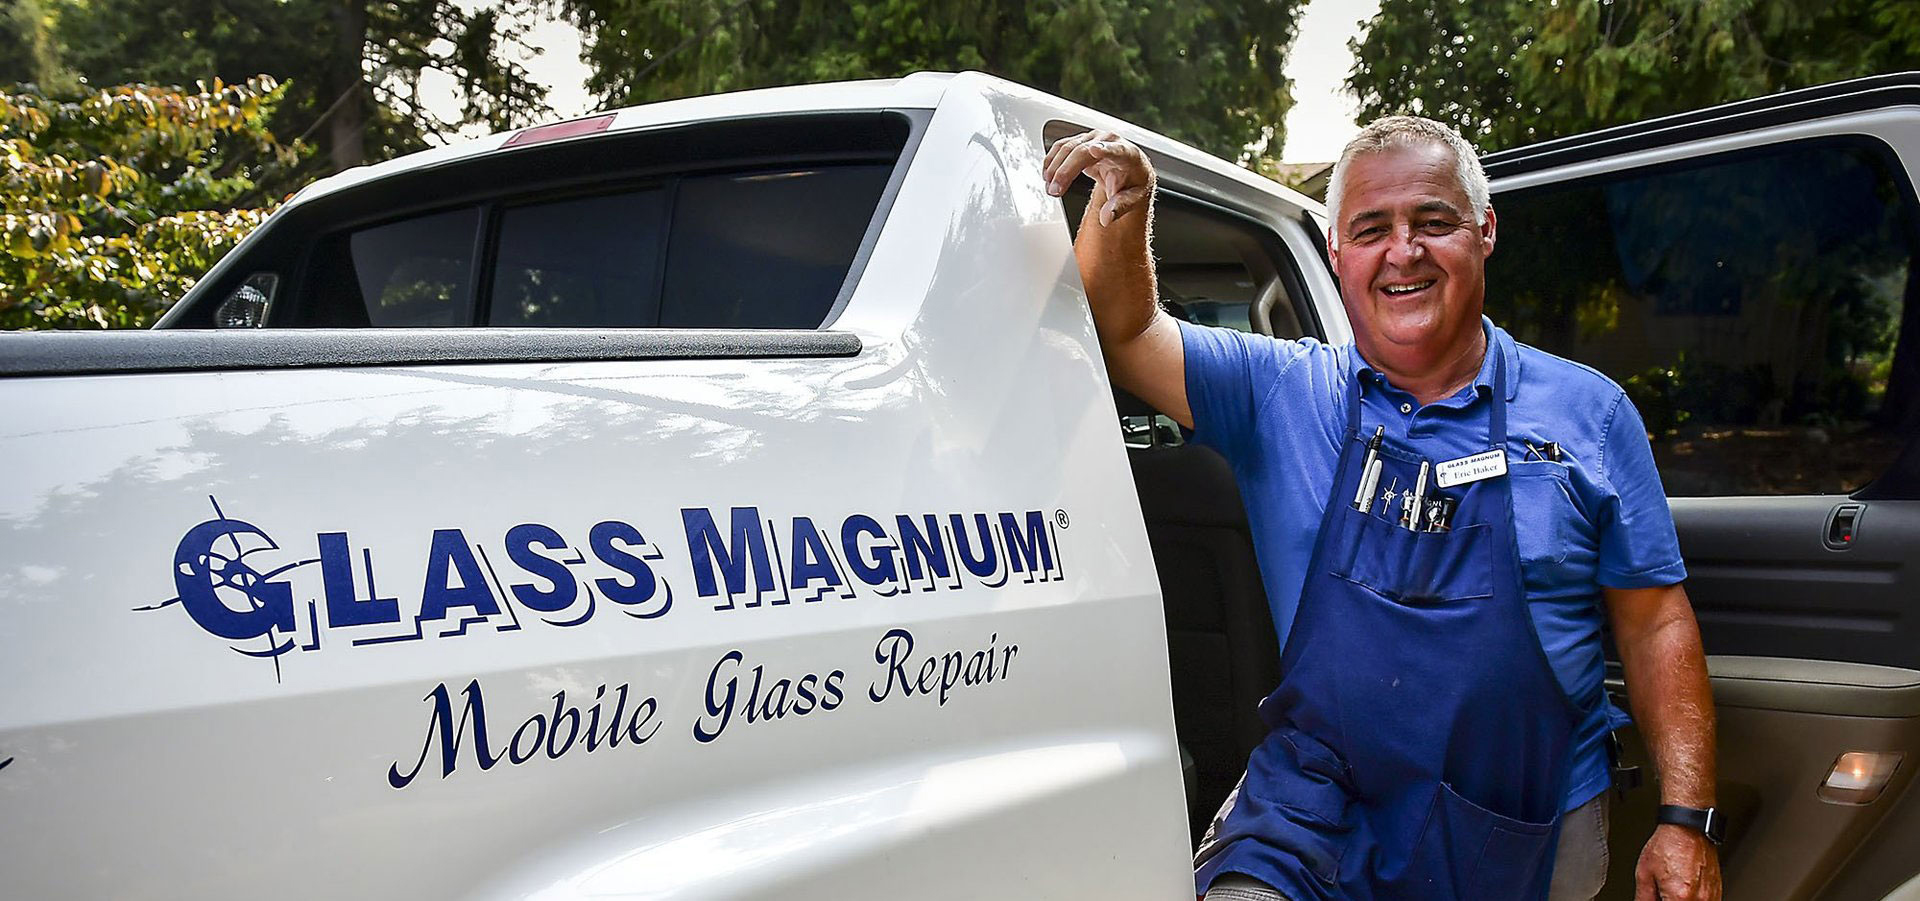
(1750, 274)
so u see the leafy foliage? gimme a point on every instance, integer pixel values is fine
(352, 70)
(1205, 71)
(26, 43)
(1512, 72)
(113, 203)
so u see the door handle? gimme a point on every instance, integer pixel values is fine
(1843, 525)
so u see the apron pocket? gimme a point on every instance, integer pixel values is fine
(1417, 566)
(1484, 854)
(1299, 789)
(1323, 792)
(1452, 565)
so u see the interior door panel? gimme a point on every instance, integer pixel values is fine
(1783, 724)
(1764, 582)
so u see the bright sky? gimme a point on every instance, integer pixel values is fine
(1320, 123)
(558, 67)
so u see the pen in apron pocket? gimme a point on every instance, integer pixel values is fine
(1363, 499)
(1416, 499)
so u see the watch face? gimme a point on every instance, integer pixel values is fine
(1716, 828)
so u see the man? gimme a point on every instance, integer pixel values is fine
(1442, 515)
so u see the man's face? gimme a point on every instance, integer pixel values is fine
(1410, 257)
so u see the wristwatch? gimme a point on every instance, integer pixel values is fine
(1709, 821)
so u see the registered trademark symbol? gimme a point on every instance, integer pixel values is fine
(1060, 519)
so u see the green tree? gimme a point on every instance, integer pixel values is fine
(1205, 71)
(352, 70)
(1513, 72)
(114, 202)
(26, 43)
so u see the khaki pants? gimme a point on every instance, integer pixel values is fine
(1580, 863)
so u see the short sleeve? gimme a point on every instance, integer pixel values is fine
(1638, 545)
(1227, 373)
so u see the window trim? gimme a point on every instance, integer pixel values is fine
(883, 209)
(485, 250)
(231, 350)
(1787, 108)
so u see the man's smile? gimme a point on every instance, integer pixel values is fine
(1406, 288)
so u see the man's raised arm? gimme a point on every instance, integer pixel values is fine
(1141, 343)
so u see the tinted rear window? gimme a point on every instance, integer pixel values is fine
(416, 272)
(758, 249)
(583, 262)
(765, 250)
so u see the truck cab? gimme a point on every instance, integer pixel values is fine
(726, 498)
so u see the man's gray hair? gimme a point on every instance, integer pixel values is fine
(1393, 132)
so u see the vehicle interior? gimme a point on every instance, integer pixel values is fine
(1216, 268)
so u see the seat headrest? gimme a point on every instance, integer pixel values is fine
(1190, 484)
(1129, 405)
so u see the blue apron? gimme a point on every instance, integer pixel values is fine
(1420, 744)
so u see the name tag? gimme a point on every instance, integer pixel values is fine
(1483, 465)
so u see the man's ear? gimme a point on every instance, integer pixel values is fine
(1333, 249)
(1486, 234)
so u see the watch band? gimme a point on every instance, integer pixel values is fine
(1709, 821)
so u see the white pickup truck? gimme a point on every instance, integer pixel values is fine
(725, 498)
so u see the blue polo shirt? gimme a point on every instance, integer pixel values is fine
(1277, 408)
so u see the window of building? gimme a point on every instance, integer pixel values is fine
(1756, 307)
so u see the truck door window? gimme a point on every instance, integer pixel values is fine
(1213, 267)
(1210, 268)
(416, 272)
(1757, 307)
(590, 261)
(765, 249)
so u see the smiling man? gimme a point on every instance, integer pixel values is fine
(1445, 520)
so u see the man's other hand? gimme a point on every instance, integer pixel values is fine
(1678, 864)
(1120, 169)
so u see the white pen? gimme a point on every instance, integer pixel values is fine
(1370, 463)
(1418, 506)
(1369, 481)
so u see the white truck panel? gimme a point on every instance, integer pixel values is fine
(193, 770)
